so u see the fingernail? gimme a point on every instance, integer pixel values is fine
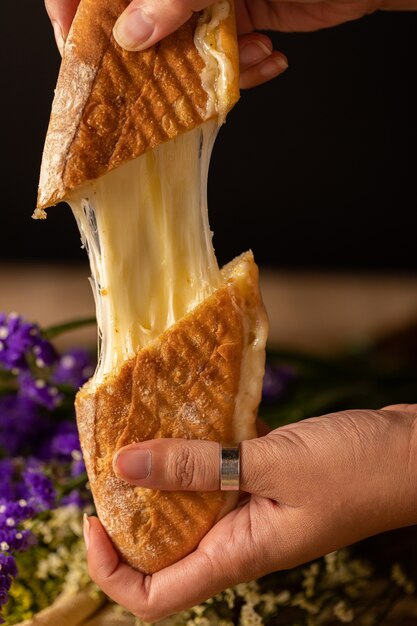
(133, 464)
(273, 66)
(59, 38)
(86, 530)
(133, 30)
(253, 52)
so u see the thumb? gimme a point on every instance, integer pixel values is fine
(61, 13)
(189, 465)
(145, 22)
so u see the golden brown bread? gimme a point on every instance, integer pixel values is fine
(202, 377)
(191, 383)
(111, 105)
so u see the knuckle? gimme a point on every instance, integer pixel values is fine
(406, 408)
(184, 467)
(259, 476)
(177, 8)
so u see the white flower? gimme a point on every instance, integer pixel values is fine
(399, 577)
(343, 613)
(249, 617)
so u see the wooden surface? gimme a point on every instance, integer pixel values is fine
(309, 311)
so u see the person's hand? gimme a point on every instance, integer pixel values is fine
(144, 22)
(312, 487)
(258, 61)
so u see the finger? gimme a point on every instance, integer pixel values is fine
(119, 581)
(200, 575)
(405, 408)
(244, 21)
(61, 13)
(253, 49)
(170, 465)
(145, 22)
(246, 544)
(271, 67)
(184, 465)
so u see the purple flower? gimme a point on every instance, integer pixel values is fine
(17, 337)
(12, 513)
(73, 498)
(3, 600)
(39, 391)
(7, 565)
(41, 494)
(78, 465)
(8, 570)
(21, 424)
(44, 353)
(6, 478)
(20, 340)
(64, 444)
(26, 428)
(15, 540)
(5, 583)
(74, 368)
(65, 440)
(276, 381)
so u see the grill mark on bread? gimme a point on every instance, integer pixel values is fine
(203, 407)
(115, 75)
(180, 78)
(126, 409)
(185, 510)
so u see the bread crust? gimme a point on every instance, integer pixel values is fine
(184, 385)
(111, 105)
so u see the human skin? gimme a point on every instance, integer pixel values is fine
(258, 61)
(310, 488)
(144, 22)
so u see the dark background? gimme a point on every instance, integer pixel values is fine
(315, 170)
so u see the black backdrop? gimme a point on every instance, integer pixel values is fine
(316, 169)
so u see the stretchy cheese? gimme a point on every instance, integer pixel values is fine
(181, 342)
(145, 226)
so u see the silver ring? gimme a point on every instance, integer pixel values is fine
(229, 467)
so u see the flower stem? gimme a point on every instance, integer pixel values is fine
(59, 329)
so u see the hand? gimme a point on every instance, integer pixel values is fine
(312, 487)
(258, 61)
(144, 22)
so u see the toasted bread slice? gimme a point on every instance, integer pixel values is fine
(111, 105)
(182, 344)
(201, 379)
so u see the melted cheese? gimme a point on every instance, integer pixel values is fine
(218, 72)
(145, 227)
(145, 224)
